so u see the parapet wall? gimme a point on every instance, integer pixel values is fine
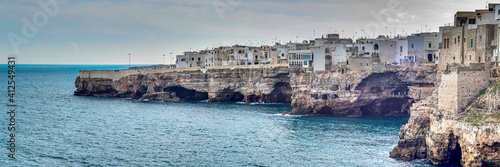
(117, 74)
(459, 87)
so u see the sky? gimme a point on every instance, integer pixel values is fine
(106, 31)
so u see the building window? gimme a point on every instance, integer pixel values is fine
(430, 45)
(361, 64)
(455, 40)
(192, 59)
(480, 39)
(199, 59)
(412, 46)
(498, 12)
(458, 39)
(471, 43)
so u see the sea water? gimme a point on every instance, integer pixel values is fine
(56, 128)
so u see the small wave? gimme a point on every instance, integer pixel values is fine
(287, 115)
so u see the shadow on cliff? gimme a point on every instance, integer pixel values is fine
(187, 94)
(282, 93)
(384, 94)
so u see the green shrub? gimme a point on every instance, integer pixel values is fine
(482, 92)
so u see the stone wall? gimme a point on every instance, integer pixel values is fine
(117, 74)
(420, 92)
(459, 50)
(459, 87)
(360, 63)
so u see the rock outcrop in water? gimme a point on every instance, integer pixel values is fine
(261, 85)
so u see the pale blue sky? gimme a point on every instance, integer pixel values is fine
(105, 31)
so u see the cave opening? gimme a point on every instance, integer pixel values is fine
(388, 107)
(235, 97)
(455, 150)
(140, 91)
(385, 94)
(282, 93)
(253, 99)
(187, 94)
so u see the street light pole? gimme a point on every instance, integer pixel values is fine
(172, 59)
(129, 59)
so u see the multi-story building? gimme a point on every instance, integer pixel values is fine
(181, 61)
(386, 50)
(191, 59)
(402, 50)
(301, 59)
(221, 56)
(329, 51)
(472, 40)
(209, 57)
(467, 54)
(423, 47)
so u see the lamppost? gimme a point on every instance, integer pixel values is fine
(129, 54)
(173, 59)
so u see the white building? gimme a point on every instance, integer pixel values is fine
(341, 53)
(181, 61)
(209, 57)
(401, 50)
(386, 50)
(300, 59)
(424, 47)
(191, 59)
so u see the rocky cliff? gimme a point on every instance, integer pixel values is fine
(469, 138)
(387, 91)
(269, 85)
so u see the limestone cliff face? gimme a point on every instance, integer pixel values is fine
(356, 93)
(270, 85)
(468, 138)
(387, 91)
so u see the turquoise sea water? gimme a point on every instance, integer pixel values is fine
(55, 128)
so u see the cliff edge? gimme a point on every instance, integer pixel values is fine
(455, 127)
(384, 91)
